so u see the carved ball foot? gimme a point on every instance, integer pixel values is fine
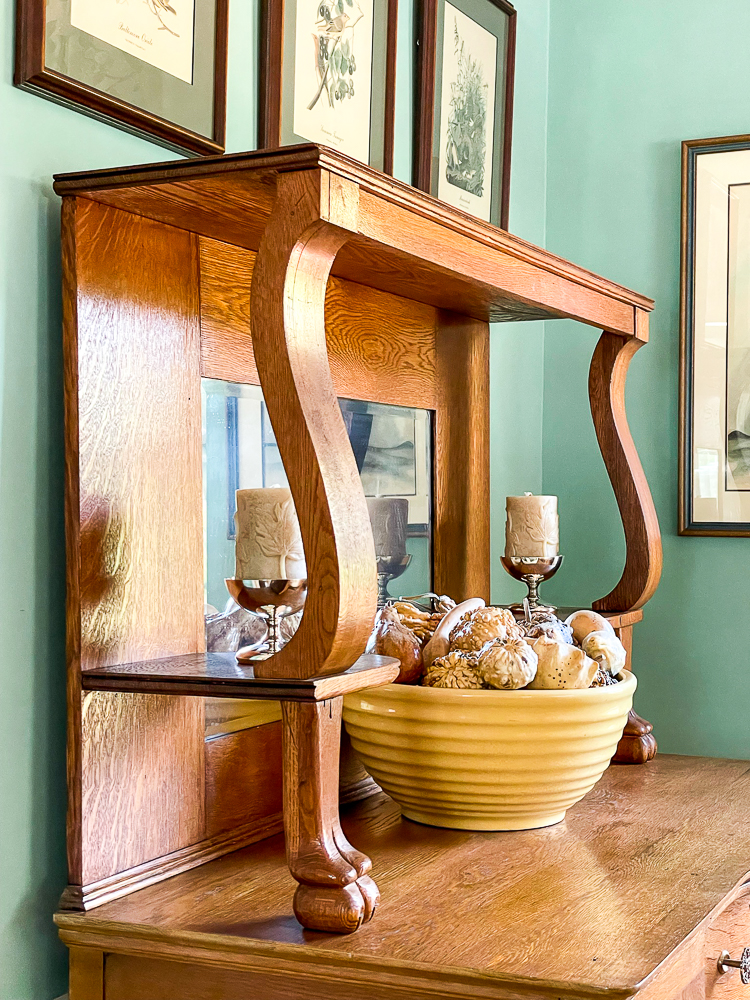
(638, 745)
(336, 909)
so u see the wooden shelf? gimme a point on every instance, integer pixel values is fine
(461, 263)
(589, 908)
(219, 675)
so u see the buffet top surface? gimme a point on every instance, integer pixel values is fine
(600, 899)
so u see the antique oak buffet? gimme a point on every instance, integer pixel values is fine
(352, 285)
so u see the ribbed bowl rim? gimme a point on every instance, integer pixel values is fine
(627, 685)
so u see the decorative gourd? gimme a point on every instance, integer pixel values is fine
(391, 638)
(561, 666)
(507, 664)
(455, 670)
(439, 644)
(606, 649)
(552, 627)
(585, 621)
(470, 634)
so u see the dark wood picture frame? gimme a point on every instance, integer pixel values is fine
(271, 78)
(425, 94)
(34, 75)
(687, 525)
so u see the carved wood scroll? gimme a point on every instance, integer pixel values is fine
(313, 217)
(609, 368)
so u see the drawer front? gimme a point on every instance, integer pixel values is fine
(730, 932)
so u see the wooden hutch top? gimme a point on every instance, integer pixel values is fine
(400, 239)
(463, 915)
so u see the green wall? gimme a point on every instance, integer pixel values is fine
(628, 82)
(39, 139)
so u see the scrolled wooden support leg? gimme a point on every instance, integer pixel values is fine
(609, 368)
(335, 893)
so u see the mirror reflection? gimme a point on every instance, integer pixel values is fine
(392, 447)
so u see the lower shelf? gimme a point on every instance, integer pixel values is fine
(219, 675)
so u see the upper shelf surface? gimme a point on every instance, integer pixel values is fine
(405, 241)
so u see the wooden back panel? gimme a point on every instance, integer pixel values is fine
(134, 531)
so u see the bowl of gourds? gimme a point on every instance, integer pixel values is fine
(494, 723)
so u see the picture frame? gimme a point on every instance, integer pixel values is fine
(145, 74)
(457, 72)
(714, 445)
(310, 67)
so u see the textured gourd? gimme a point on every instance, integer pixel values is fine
(549, 625)
(390, 638)
(422, 623)
(453, 671)
(472, 632)
(507, 664)
(439, 644)
(603, 678)
(561, 665)
(585, 621)
(606, 649)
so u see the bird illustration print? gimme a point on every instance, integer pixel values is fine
(159, 8)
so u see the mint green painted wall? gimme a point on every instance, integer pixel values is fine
(517, 349)
(39, 139)
(628, 82)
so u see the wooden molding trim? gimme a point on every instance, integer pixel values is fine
(607, 375)
(87, 897)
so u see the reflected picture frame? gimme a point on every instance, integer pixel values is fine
(714, 427)
(154, 74)
(317, 49)
(466, 51)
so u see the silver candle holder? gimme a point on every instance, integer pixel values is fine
(532, 571)
(270, 600)
(389, 568)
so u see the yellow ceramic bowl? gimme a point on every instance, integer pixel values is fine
(487, 760)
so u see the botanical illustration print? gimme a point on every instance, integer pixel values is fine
(467, 113)
(160, 32)
(332, 74)
(466, 143)
(738, 341)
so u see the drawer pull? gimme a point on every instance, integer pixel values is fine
(726, 963)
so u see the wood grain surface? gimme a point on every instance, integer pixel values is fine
(335, 891)
(643, 564)
(133, 404)
(219, 675)
(243, 779)
(287, 315)
(486, 271)
(728, 932)
(380, 347)
(462, 459)
(598, 901)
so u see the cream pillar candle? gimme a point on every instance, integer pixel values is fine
(532, 527)
(269, 543)
(389, 517)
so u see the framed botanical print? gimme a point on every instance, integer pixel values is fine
(157, 68)
(328, 75)
(715, 338)
(464, 107)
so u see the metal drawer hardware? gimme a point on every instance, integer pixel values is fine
(726, 963)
